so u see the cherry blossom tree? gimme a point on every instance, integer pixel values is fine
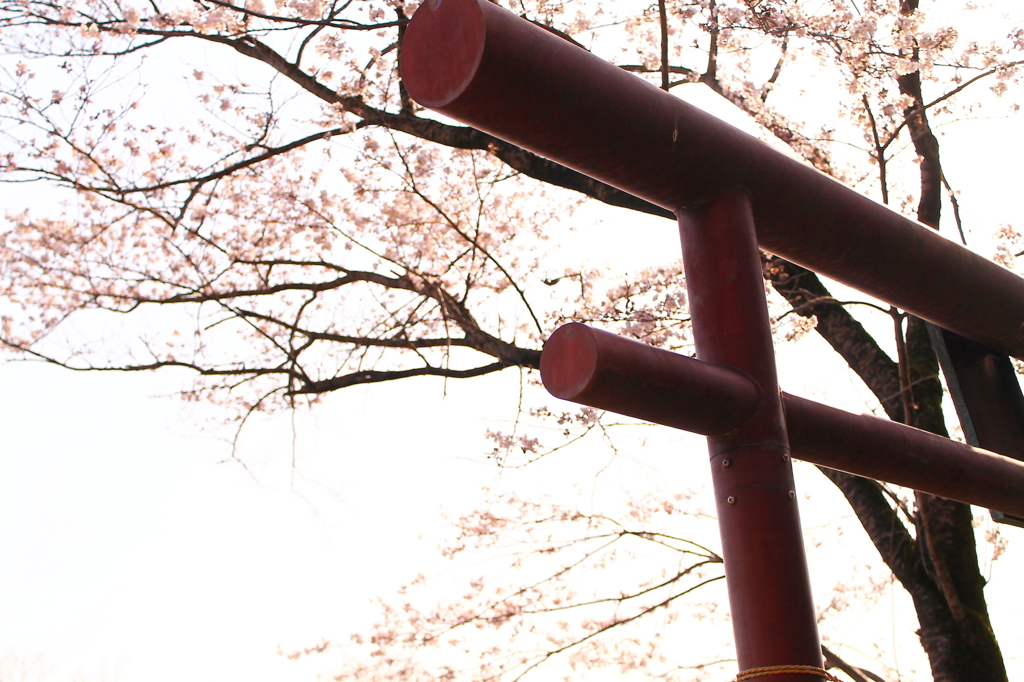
(248, 189)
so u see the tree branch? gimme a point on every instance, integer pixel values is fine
(378, 376)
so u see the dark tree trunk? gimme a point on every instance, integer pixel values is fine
(938, 565)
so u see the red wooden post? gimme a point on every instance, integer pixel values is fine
(483, 66)
(762, 544)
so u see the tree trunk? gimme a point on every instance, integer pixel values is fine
(938, 564)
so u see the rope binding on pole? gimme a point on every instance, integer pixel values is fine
(753, 673)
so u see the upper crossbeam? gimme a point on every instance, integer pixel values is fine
(483, 66)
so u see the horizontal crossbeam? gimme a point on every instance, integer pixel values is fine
(609, 372)
(481, 65)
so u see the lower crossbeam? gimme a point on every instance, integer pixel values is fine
(580, 363)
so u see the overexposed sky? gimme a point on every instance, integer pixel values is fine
(131, 553)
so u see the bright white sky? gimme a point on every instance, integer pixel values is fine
(131, 554)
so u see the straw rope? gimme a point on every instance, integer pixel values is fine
(785, 669)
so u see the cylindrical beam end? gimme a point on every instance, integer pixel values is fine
(569, 362)
(609, 372)
(441, 50)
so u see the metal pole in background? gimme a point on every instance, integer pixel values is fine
(987, 397)
(762, 543)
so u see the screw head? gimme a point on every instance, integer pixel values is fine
(726, 463)
(792, 494)
(731, 499)
(785, 458)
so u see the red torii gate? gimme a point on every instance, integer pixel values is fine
(485, 67)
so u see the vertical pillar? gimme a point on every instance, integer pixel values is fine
(765, 567)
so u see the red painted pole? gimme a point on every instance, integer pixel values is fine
(609, 372)
(889, 451)
(486, 67)
(762, 544)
